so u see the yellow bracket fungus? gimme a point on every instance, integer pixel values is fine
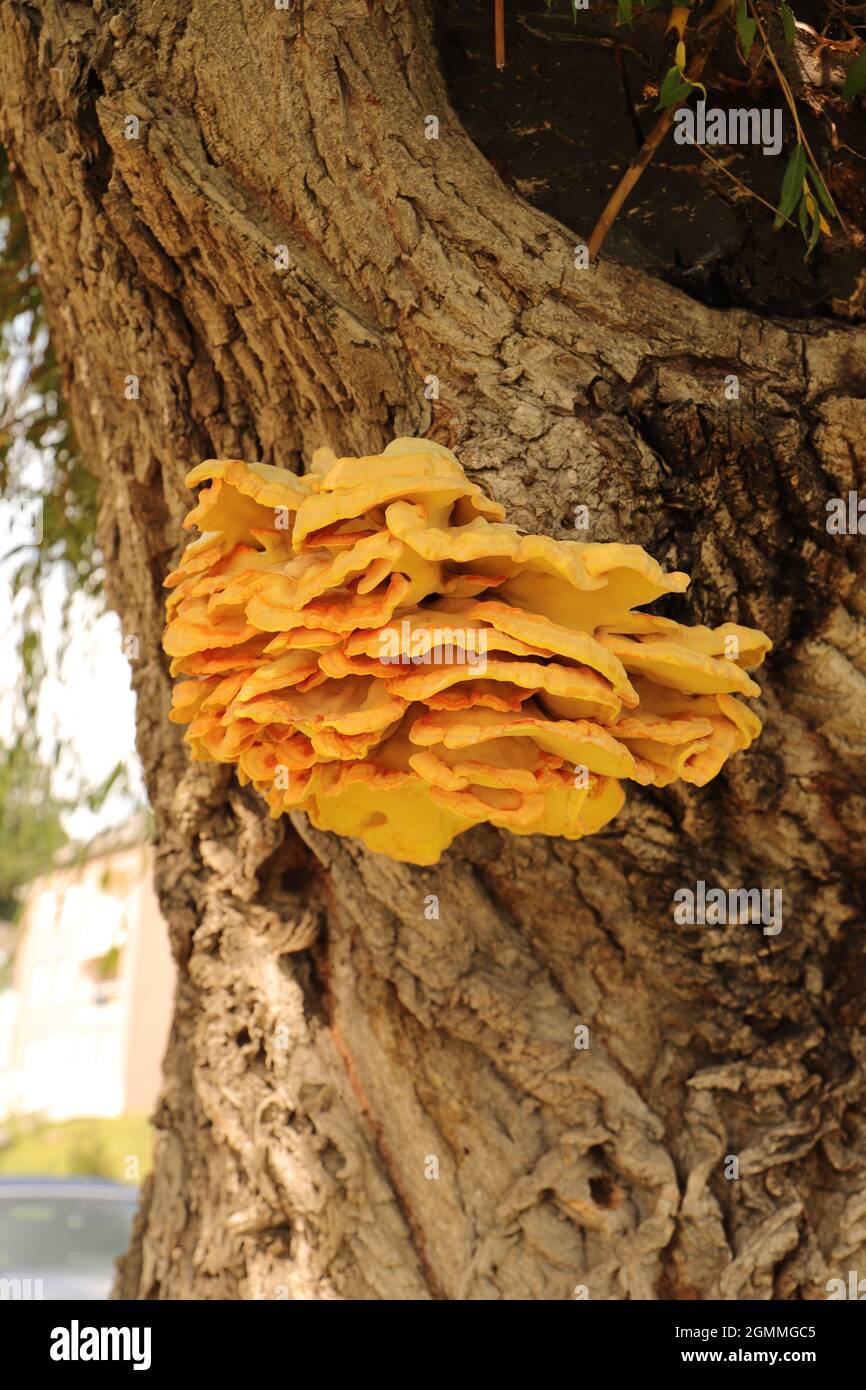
(374, 645)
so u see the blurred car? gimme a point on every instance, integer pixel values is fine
(59, 1237)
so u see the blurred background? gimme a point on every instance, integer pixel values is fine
(86, 977)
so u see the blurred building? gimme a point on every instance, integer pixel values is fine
(85, 1028)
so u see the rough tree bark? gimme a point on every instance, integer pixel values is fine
(328, 1039)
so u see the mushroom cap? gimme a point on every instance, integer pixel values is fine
(414, 470)
(372, 644)
(581, 743)
(681, 667)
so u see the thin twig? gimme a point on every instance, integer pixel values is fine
(738, 181)
(792, 106)
(640, 162)
(839, 12)
(598, 40)
(499, 28)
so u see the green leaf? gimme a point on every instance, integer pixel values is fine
(815, 234)
(745, 28)
(821, 189)
(803, 213)
(788, 23)
(674, 88)
(856, 79)
(649, 4)
(624, 11)
(792, 185)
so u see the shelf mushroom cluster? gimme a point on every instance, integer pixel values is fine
(373, 644)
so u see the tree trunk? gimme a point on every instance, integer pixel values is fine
(329, 1042)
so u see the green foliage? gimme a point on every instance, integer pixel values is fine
(804, 198)
(39, 456)
(30, 816)
(87, 1147)
(674, 89)
(792, 183)
(856, 79)
(33, 413)
(106, 967)
(746, 29)
(820, 188)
